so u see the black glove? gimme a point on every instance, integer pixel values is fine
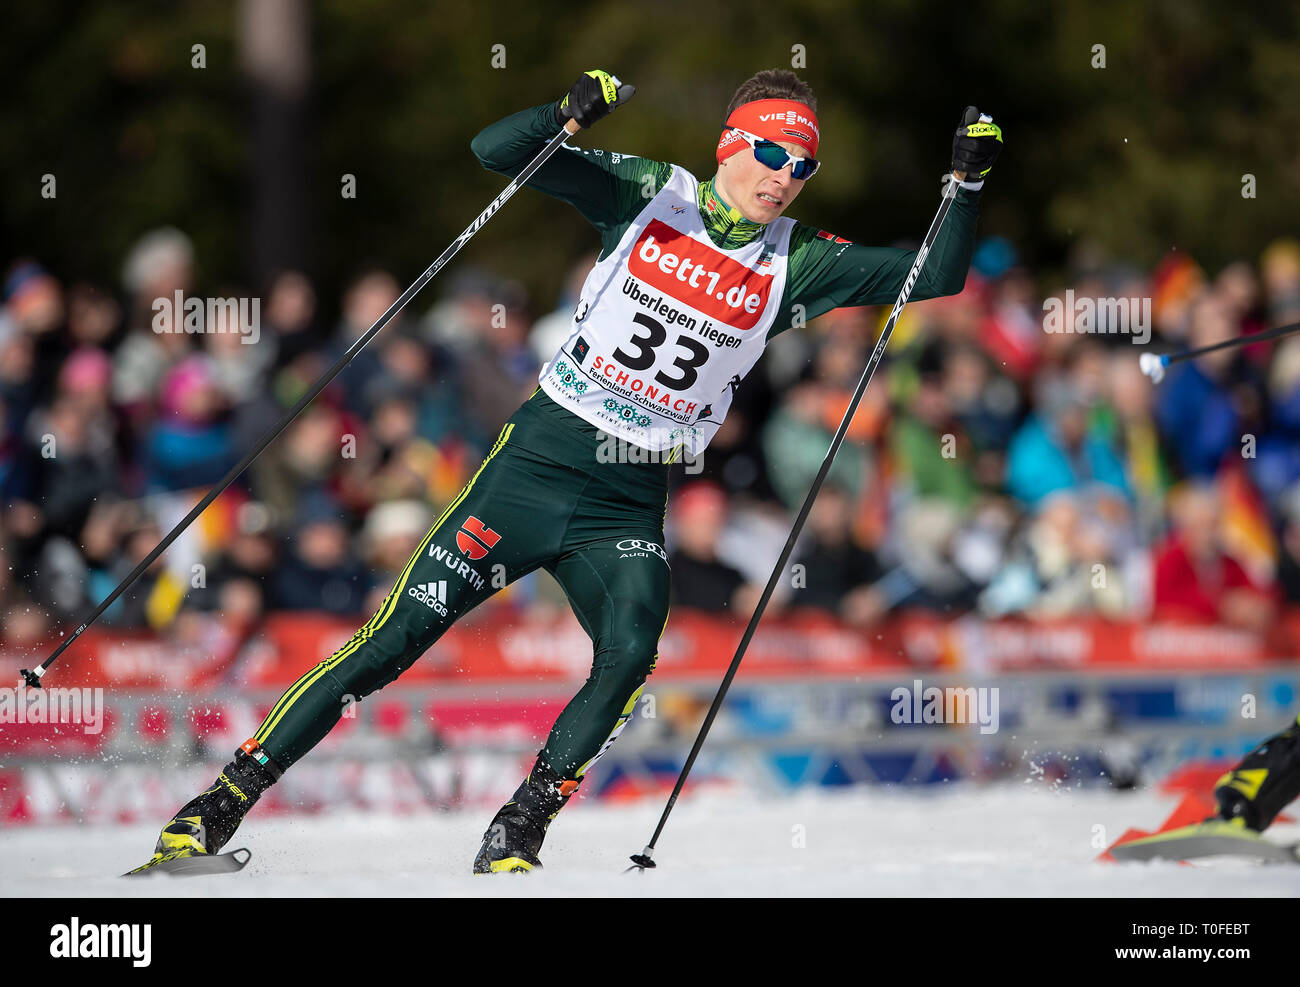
(592, 97)
(976, 145)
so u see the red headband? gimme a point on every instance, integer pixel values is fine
(782, 120)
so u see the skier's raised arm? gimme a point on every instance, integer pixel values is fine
(828, 271)
(608, 188)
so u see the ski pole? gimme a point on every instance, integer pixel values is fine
(645, 859)
(1154, 364)
(32, 677)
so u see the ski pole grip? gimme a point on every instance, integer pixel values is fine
(623, 91)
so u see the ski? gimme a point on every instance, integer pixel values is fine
(195, 864)
(1212, 838)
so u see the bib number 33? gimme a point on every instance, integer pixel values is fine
(645, 353)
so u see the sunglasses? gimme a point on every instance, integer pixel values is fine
(776, 157)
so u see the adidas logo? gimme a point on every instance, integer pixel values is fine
(432, 595)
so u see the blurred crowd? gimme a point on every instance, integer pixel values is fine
(994, 468)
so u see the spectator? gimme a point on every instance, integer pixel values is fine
(304, 459)
(34, 303)
(238, 352)
(1201, 404)
(498, 370)
(289, 317)
(158, 266)
(1195, 579)
(931, 572)
(156, 598)
(1012, 331)
(190, 443)
(935, 457)
(1063, 564)
(795, 441)
(1280, 273)
(985, 404)
(1127, 422)
(243, 569)
(837, 573)
(701, 580)
(1288, 572)
(1057, 449)
(366, 298)
(71, 462)
(319, 571)
(1276, 465)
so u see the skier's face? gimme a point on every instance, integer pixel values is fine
(760, 193)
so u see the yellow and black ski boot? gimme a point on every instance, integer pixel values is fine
(514, 837)
(192, 841)
(1267, 778)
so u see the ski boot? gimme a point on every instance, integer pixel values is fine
(1267, 778)
(514, 837)
(205, 823)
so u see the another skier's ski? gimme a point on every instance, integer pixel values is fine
(192, 865)
(1212, 838)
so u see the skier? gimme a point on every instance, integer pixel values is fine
(694, 279)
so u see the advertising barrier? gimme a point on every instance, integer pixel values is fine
(130, 724)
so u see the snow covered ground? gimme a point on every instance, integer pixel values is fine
(956, 840)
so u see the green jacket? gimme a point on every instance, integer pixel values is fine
(824, 272)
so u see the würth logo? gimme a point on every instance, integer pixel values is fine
(474, 539)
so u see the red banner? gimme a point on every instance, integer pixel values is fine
(694, 644)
